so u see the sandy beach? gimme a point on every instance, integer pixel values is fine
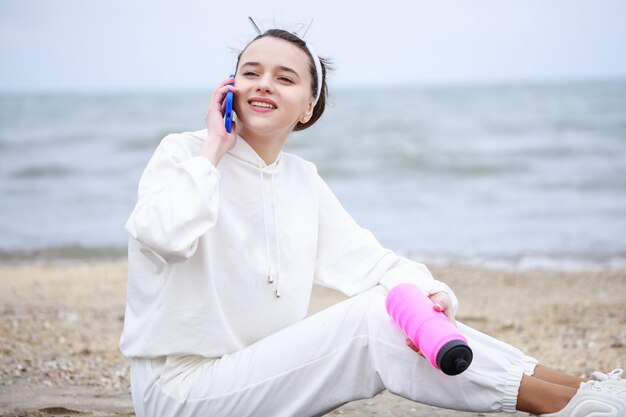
(61, 323)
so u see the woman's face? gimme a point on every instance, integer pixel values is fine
(274, 86)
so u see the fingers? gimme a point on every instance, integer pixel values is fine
(219, 93)
(447, 311)
(217, 98)
(217, 103)
(412, 346)
(442, 308)
(442, 303)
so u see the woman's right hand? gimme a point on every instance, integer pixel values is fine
(218, 140)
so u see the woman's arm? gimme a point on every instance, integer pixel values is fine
(178, 191)
(177, 202)
(351, 260)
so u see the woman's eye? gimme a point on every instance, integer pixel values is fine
(247, 74)
(285, 79)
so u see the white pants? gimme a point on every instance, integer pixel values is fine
(349, 351)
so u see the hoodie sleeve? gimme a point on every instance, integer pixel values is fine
(177, 201)
(350, 259)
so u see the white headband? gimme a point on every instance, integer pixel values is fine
(318, 71)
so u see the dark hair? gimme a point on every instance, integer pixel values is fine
(294, 39)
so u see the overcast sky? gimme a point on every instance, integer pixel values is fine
(181, 44)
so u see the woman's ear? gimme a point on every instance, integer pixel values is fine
(308, 113)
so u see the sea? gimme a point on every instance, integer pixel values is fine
(517, 175)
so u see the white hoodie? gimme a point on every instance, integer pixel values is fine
(203, 243)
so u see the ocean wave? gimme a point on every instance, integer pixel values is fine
(62, 253)
(566, 263)
(528, 262)
(46, 171)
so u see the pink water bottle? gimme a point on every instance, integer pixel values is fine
(429, 330)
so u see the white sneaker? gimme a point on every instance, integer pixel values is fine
(593, 399)
(613, 379)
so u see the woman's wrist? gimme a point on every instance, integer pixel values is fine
(213, 153)
(212, 157)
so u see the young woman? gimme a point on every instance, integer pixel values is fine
(226, 240)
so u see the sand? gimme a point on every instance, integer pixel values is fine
(61, 323)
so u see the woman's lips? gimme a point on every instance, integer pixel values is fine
(262, 105)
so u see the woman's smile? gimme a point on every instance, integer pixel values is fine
(262, 105)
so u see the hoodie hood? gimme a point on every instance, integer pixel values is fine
(245, 153)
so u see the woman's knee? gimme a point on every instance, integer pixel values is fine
(376, 321)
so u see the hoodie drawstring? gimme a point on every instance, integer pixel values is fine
(270, 273)
(276, 237)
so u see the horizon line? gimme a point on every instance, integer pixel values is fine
(466, 83)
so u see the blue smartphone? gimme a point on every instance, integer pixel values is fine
(228, 113)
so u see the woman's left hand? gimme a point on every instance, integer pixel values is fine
(443, 303)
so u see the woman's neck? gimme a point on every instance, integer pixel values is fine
(267, 148)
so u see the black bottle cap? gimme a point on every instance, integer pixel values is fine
(454, 357)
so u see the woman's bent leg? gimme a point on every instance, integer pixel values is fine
(349, 351)
(537, 396)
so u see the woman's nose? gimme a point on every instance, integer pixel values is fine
(265, 84)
